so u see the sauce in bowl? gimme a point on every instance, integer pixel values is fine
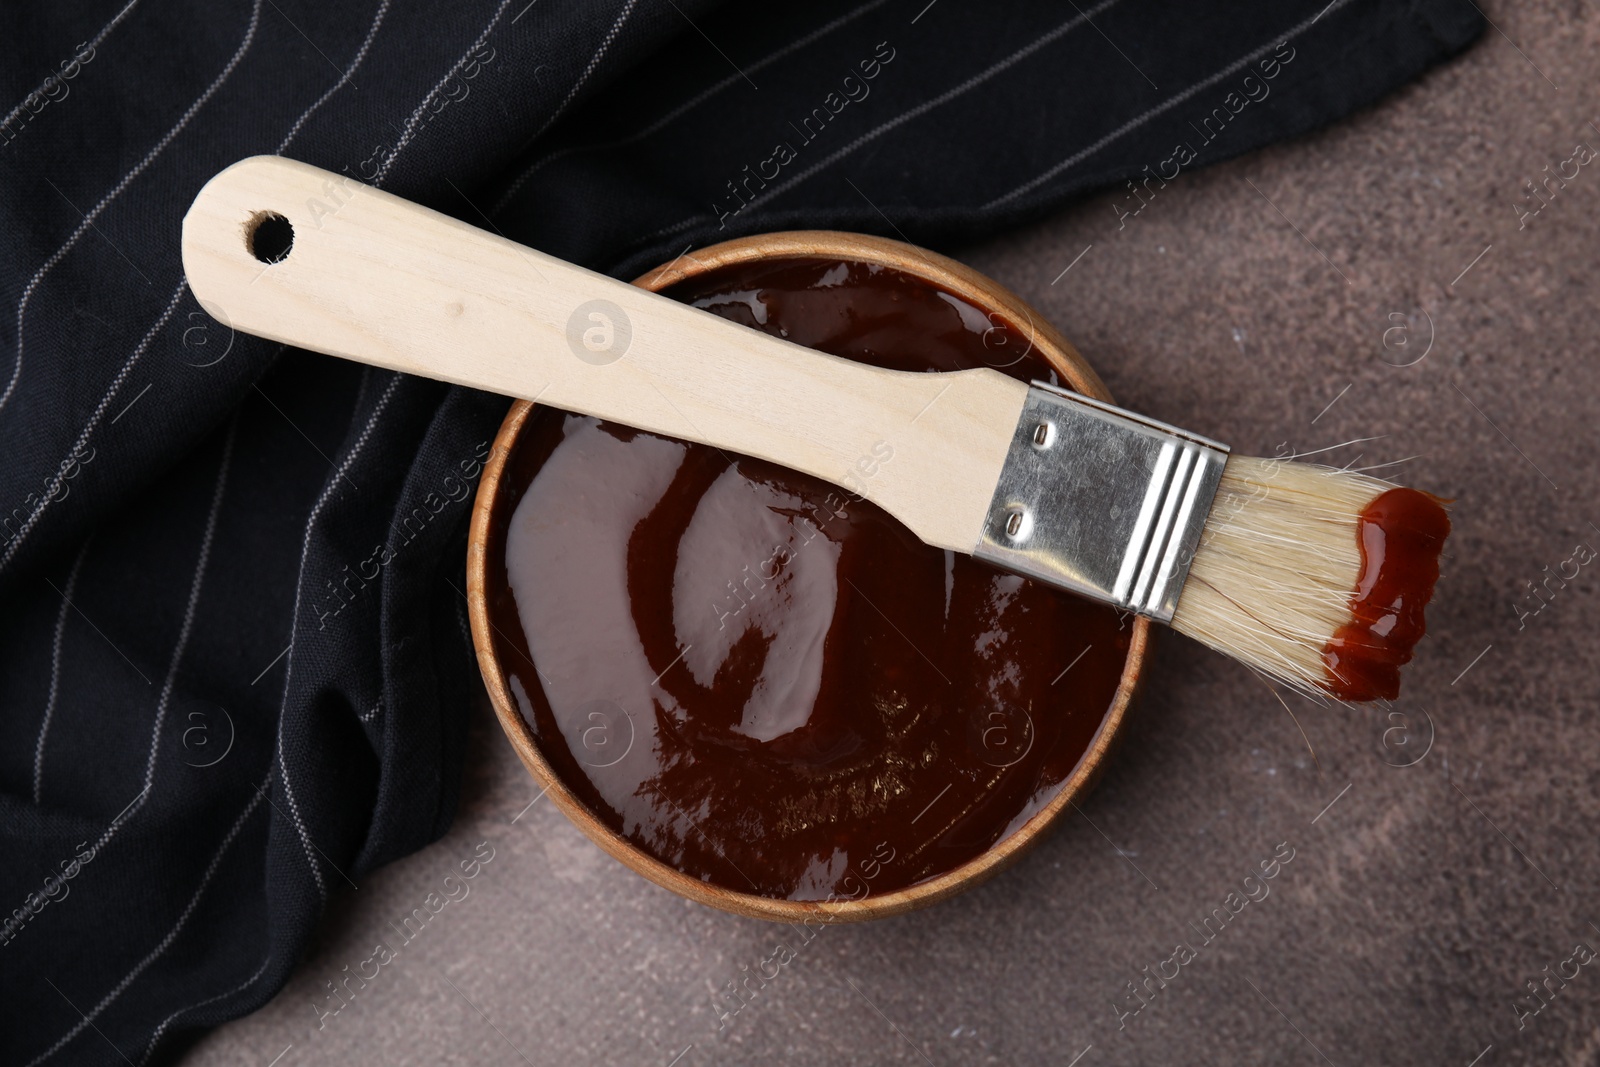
(761, 679)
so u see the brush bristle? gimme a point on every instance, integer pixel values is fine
(1271, 582)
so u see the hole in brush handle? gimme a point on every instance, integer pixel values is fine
(269, 237)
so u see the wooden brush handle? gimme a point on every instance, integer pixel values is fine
(383, 281)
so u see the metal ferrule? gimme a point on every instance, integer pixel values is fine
(1101, 501)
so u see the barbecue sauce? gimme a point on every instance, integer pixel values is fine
(763, 680)
(1400, 532)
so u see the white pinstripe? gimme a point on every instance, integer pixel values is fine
(127, 368)
(172, 305)
(594, 61)
(461, 621)
(260, 793)
(288, 672)
(356, 448)
(166, 942)
(1166, 105)
(360, 56)
(182, 645)
(94, 422)
(410, 127)
(687, 106)
(926, 106)
(116, 190)
(55, 670)
(1121, 131)
(93, 43)
(156, 1037)
(327, 492)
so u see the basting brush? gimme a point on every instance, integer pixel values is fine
(1309, 574)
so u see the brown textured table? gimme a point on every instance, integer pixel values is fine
(1435, 868)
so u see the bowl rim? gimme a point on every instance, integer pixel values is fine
(946, 274)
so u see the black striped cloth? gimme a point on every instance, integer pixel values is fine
(234, 665)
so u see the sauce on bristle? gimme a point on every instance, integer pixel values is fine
(1401, 533)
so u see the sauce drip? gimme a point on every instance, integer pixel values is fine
(1401, 533)
(761, 680)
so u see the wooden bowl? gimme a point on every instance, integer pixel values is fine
(954, 278)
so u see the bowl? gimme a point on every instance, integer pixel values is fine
(1003, 307)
